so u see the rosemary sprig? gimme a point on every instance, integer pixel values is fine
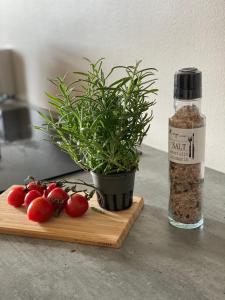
(95, 209)
(102, 124)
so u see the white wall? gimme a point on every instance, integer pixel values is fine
(51, 37)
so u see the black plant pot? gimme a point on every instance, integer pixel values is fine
(116, 190)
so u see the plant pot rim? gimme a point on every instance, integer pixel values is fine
(113, 175)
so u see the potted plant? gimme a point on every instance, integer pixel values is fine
(101, 123)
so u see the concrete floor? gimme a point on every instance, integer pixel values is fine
(156, 262)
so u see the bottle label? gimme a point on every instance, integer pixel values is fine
(187, 146)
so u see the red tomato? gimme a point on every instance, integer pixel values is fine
(34, 185)
(40, 210)
(58, 197)
(30, 196)
(76, 206)
(50, 187)
(16, 196)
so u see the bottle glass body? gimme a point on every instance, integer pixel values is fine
(186, 164)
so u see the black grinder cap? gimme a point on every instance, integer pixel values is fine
(188, 84)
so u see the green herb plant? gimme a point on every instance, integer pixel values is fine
(101, 123)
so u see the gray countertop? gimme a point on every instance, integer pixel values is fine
(156, 260)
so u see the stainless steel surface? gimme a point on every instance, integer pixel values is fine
(156, 262)
(7, 73)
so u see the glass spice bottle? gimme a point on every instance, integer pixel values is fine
(186, 151)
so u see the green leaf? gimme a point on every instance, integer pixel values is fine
(101, 126)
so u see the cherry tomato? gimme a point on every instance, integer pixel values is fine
(76, 206)
(30, 196)
(40, 210)
(58, 197)
(50, 187)
(34, 185)
(16, 196)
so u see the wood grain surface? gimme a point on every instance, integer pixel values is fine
(108, 229)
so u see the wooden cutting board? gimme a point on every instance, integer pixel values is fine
(108, 229)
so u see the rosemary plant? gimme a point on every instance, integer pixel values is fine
(101, 123)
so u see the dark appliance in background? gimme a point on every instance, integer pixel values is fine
(23, 150)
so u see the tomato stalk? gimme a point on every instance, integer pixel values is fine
(89, 195)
